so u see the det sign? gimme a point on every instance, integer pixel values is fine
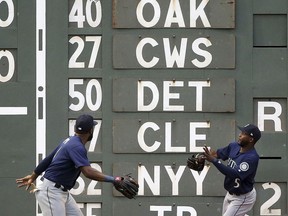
(184, 95)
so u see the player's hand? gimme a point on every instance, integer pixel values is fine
(26, 181)
(209, 154)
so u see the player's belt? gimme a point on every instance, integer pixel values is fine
(234, 194)
(47, 181)
(238, 194)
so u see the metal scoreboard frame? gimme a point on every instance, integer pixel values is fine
(162, 78)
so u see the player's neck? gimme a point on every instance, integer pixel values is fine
(83, 137)
(246, 148)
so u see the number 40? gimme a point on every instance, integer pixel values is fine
(77, 13)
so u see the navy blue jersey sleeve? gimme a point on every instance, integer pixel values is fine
(223, 153)
(43, 165)
(225, 170)
(79, 156)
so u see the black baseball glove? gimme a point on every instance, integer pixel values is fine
(126, 185)
(196, 161)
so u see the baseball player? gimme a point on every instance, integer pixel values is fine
(62, 168)
(239, 172)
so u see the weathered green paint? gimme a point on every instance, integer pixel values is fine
(249, 50)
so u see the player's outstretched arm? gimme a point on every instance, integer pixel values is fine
(94, 174)
(27, 180)
(126, 185)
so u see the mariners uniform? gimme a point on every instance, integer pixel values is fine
(242, 162)
(239, 178)
(62, 170)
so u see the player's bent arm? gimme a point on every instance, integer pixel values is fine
(225, 170)
(91, 173)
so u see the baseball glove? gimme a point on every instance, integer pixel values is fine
(126, 185)
(196, 161)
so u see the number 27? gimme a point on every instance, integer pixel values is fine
(73, 63)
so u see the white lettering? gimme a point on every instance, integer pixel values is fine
(167, 96)
(194, 136)
(80, 187)
(11, 65)
(141, 134)
(10, 12)
(206, 55)
(182, 209)
(139, 13)
(199, 92)
(77, 13)
(155, 96)
(199, 179)
(91, 207)
(174, 14)
(139, 51)
(143, 175)
(160, 209)
(175, 178)
(175, 56)
(275, 117)
(168, 140)
(174, 8)
(198, 12)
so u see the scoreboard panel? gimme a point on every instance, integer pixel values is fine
(162, 79)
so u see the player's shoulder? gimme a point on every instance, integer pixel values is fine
(234, 145)
(72, 142)
(251, 156)
(73, 139)
(253, 153)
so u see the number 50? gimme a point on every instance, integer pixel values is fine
(91, 94)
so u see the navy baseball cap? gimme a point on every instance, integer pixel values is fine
(252, 131)
(84, 123)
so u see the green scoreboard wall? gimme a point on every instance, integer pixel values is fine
(162, 78)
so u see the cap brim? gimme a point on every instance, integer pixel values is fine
(94, 123)
(241, 128)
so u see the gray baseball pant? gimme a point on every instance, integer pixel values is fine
(56, 202)
(234, 205)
